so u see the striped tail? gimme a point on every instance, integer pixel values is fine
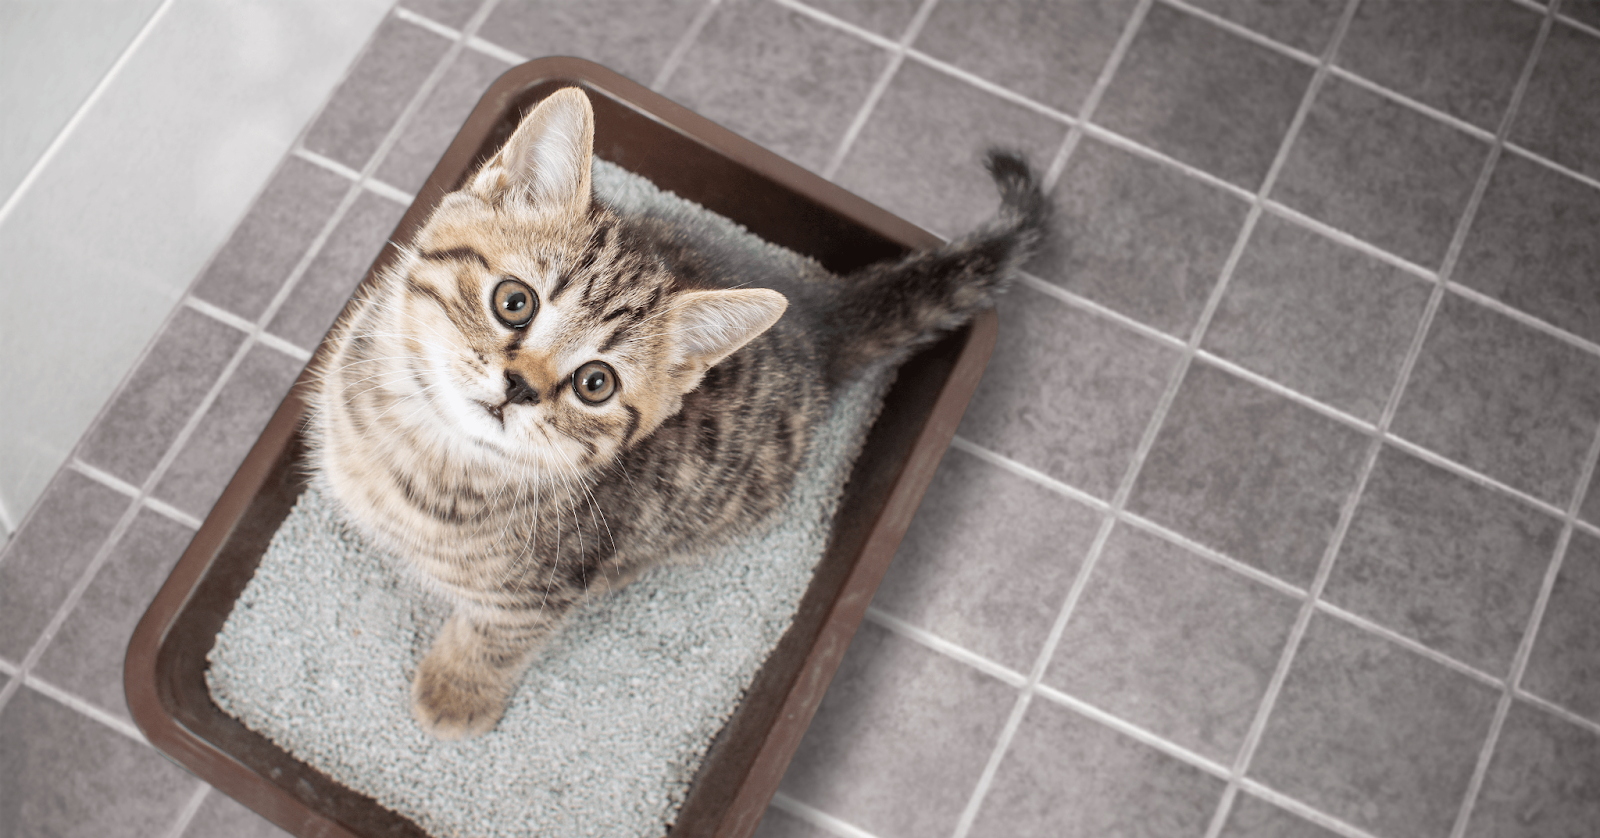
(896, 306)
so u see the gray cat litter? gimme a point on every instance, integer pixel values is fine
(610, 724)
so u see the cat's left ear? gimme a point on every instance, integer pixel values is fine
(711, 325)
(546, 161)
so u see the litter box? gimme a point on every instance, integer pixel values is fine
(777, 200)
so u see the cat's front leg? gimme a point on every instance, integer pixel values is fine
(463, 683)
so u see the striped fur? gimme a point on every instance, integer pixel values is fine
(463, 444)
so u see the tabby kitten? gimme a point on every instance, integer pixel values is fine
(544, 398)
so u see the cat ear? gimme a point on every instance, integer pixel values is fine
(546, 161)
(710, 325)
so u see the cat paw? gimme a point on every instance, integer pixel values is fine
(452, 704)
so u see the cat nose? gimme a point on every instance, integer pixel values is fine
(518, 390)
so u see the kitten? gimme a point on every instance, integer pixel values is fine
(543, 398)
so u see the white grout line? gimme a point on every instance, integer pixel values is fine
(949, 649)
(1554, 709)
(1248, 34)
(1577, 342)
(495, 51)
(328, 163)
(1467, 473)
(8, 668)
(1535, 157)
(78, 115)
(1410, 644)
(161, 507)
(62, 697)
(841, 24)
(897, 56)
(191, 808)
(1586, 28)
(282, 345)
(1134, 147)
(1405, 101)
(987, 86)
(104, 478)
(1328, 411)
(1350, 240)
(817, 818)
(218, 313)
(1131, 730)
(1310, 813)
(437, 28)
(682, 47)
(385, 190)
(1099, 310)
(1027, 472)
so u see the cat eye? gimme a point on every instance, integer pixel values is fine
(594, 382)
(514, 303)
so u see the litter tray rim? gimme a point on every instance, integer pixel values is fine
(748, 758)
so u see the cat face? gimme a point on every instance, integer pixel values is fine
(544, 336)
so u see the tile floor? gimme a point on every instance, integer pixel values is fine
(1272, 517)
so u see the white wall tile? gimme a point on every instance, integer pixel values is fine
(102, 244)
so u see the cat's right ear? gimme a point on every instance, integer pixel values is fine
(545, 164)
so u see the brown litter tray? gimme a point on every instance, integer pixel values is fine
(778, 201)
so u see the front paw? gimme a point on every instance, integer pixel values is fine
(454, 700)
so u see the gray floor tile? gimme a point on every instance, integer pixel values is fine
(45, 558)
(1139, 237)
(1463, 58)
(888, 18)
(1381, 171)
(630, 38)
(1504, 399)
(988, 560)
(1374, 734)
(85, 657)
(227, 431)
(1050, 52)
(920, 154)
(779, 824)
(1303, 24)
(778, 77)
(319, 296)
(1543, 780)
(1205, 96)
(1173, 643)
(1533, 245)
(1249, 473)
(1560, 115)
(429, 132)
(1066, 392)
(1071, 777)
(1252, 817)
(379, 86)
(1319, 317)
(900, 738)
(1444, 561)
(452, 13)
(1565, 664)
(66, 776)
(137, 428)
(272, 238)
(221, 816)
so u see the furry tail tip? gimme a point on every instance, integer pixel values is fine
(1023, 203)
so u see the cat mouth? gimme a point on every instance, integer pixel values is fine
(497, 411)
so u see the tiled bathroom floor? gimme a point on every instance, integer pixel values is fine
(1271, 518)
